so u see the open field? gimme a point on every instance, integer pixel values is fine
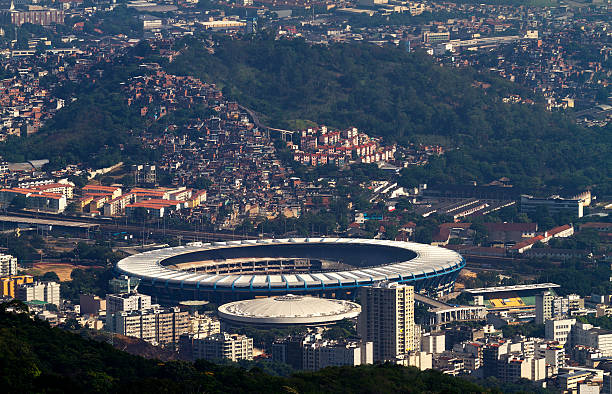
(62, 270)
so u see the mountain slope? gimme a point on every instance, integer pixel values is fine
(407, 97)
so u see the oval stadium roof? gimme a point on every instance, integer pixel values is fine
(428, 262)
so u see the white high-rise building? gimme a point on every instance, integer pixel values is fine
(126, 302)
(8, 265)
(387, 319)
(204, 325)
(39, 291)
(544, 307)
(549, 306)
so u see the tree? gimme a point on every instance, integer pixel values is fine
(19, 202)
(50, 276)
(202, 183)
(481, 234)
(71, 324)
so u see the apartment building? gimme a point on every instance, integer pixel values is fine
(387, 319)
(8, 265)
(217, 346)
(39, 291)
(8, 284)
(204, 325)
(156, 325)
(125, 302)
(559, 329)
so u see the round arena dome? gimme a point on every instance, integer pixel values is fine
(288, 309)
(327, 267)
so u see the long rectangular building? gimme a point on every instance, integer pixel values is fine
(156, 325)
(218, 346)
(35, 15)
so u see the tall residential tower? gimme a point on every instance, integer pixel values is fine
(387, 319)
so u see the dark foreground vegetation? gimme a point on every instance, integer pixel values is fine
(38, 358)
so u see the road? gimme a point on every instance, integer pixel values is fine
(150, 230)
(258, 122)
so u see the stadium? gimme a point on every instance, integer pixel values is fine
(328, 267)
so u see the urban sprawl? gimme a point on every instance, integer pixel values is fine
(533, 302)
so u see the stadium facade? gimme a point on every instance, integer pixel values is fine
(328, 267)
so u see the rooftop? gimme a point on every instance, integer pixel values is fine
(289, 309)
(496, 289)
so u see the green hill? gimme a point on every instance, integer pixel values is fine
(407, 97)
(95, 129)
(38, 358)
(384, 91)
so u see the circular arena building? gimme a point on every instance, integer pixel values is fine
(329, 267)
(287, 310)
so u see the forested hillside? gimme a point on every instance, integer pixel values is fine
(407, 97)
(37, 358)
(404, 97)
(95, 129)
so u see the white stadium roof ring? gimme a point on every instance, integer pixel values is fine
(264, 267)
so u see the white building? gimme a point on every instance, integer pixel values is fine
(154, 325)
(514, 367)
(321, 354)
(125, 302)
(204, 325)
(349, 353)
(39, 291)
(559, 329)
(554, 355)
(587, 335)
(217, 346)
(433, 342)
(420, 360)
(8, 265)
(549, 306)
